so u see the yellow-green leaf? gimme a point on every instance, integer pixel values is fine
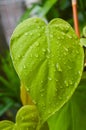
(49, 61)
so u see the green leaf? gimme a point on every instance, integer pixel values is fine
(73, 114)
(83, 42)
(27, 118)
(49, 61)
(6, 125)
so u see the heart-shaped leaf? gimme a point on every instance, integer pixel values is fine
(6, 125)
(27, 118)
(49, 61)
(73, 114)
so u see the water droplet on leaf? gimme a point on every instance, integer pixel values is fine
(18, 56)
(48, 50)
(49, 78)
(66, 83)
(31, 34)
(28, 90)
(51, 35)
(26, 34)
(37, 44)
(60, 98)
(34, 101)
(66, 49)
(36, 55)
(58, 67)
(38, 27)
(24, 66)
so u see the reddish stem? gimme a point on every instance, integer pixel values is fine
(75, 17)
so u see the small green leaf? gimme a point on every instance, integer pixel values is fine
(83, 42)
(6, 125)
(27, 118)
(73, 113)
(49, 61)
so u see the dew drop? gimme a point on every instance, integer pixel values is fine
(31, 34)
(49, 111)
(37, 44)
(63, 33)
(26, 34)
(42, 27)
(60, 98)
(36, 55)
(66, 49)
(69, 36)
(56, 89)
(38, 27)
(28, 89)
(54, 70)
(51, 35)
(53, 113)
(70, 82)
(33, 63)
(43, 50)
(39, 34)
(41, 81)
(48, 50)
(18, 56)
(79, 72)
(41, 95)
(31, 55)
(56, 80)
(66, 83)
(24, 66)
(58, 67)
(47, 57)
(67, 97)
(22, 118)
(69, 67)
(58, 38)
(49, 78)
(77, 52)
(65, 53)
(34, 101)
(43, 107)
(61, 86)
(62, 37)
(41, 90)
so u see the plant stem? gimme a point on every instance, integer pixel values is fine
(75, 17)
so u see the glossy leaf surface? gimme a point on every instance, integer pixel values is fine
(26, 119)
(73, 113)
(6, 125)
(49, 61)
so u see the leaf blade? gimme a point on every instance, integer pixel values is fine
(47, 58)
